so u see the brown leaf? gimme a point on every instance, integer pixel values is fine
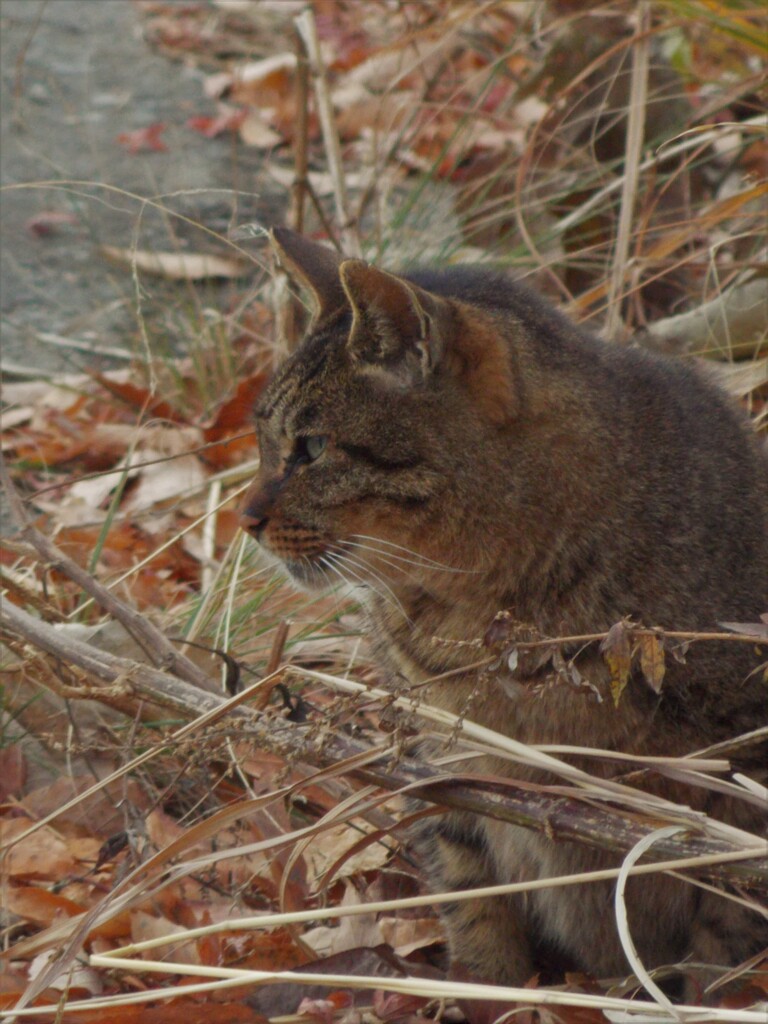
(618, 656)
(41, 854)
(144, 139)
(406, 934)
(39, 905)
(139, 398)
(13, 771)
(47, 222)
(228, 119)
(324, 1011)
(235, 417)
(652, 660)
(394, 1006)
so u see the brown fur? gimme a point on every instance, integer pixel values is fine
(470, 426)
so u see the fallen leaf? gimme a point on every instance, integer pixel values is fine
(406, 934)
(147, 926)
(13, 771)
(47, 221)
(327, 849)
(164, 481)
(41, 854)
(144, 139)
(229, 119)
(393, 1006)
(324, 1011)
(78, 980)
(177, 266)
(254, 131)
(39, 905)
(140, 398)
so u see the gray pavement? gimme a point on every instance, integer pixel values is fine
(75, 74)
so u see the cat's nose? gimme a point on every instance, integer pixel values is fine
(255, 510)
(253, 524)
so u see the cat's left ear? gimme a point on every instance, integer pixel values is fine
(396, 326)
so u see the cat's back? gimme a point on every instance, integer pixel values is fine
(691, 473)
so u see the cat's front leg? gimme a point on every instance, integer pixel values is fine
(486, 936)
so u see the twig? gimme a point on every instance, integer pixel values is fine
(299, 191)
(273, 663)
(151, 640)
(560, 813)
(307, 28)
(635, 134)
(688, 636)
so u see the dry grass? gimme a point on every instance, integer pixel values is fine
(484, 143)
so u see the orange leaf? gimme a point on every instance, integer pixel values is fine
(140, 398)
(235, 416)
(39, 905)
(144, 139)
(237, 412)
(42, 854)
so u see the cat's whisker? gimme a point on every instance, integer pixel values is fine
(420, 559)
(350, 563)
(326, 568)
(387, 558)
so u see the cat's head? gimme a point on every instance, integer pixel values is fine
(378, 432)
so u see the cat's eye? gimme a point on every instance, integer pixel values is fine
(314, 446)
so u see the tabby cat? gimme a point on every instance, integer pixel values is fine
(448, 442)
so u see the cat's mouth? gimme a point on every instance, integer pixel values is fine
(325, 572)
(306, 573)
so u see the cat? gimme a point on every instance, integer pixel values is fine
(449, 442)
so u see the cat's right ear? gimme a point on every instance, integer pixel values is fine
(313, 267)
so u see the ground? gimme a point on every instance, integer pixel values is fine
(75, 75)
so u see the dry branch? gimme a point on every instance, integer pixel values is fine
(564, 818)
(152, 641)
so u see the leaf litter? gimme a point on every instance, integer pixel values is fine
(118, 474)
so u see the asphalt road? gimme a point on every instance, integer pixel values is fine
(75, 75)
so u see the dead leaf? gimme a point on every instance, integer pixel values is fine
(138, 397)
(178, 266)
(756, 629)
(261, 82)
(144, 139)
(398, 1006)
(47, 222)
(165, 481)
(617, 650)
(254, 131)
(42, 854)
(327, 848)
(406, 934)
(235, 416)
(13, 771)
(323, 1011)
(652, 661)
(146, 926)
(228, 119)
(39, 905)
(351, 932)
(80, 980)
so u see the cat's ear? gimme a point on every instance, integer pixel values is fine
(396, 325)
(313, 267)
